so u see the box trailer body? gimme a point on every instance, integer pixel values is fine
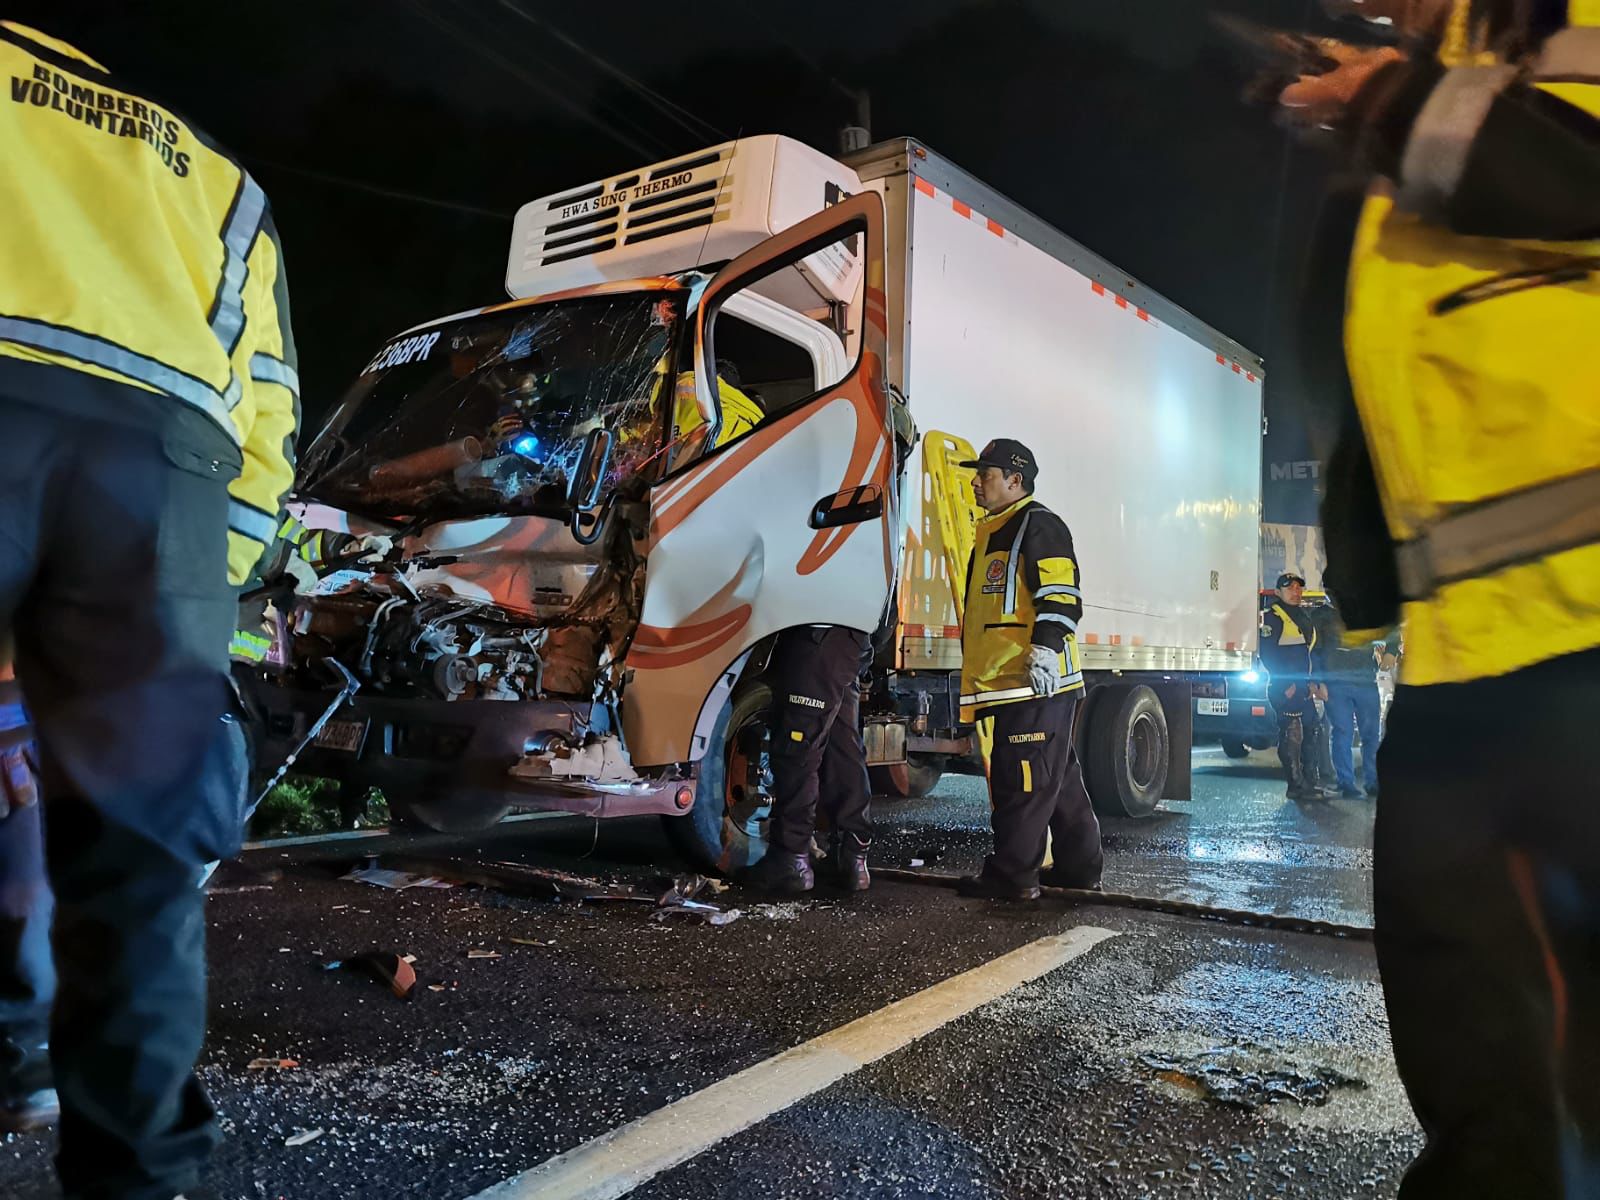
(905, 290)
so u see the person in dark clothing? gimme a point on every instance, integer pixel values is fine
(1324, 619)
(27, 975)
(1448, 326)
(149, 398)
(818, 760)
(1351, 676)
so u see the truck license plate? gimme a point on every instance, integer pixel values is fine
(1211, 708)
(342, 735)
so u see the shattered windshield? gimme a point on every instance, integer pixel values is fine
(489, 414)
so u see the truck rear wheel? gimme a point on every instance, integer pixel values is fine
(1128, 751)
(725, 831)
(1235, 749)
(910, 780)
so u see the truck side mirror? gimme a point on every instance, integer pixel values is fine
(590, 473)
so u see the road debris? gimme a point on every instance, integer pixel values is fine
(519, 879)
(385, 966)
(397, 881)
(789, 910)
(271, 1064)
(483, 953)
(1227, 1077)
(706, 914)
(303, 1137)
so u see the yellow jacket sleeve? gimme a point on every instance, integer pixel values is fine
(265, 363)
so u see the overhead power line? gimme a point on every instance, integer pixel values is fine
(566, 102)
(377, 189)
(673, 111)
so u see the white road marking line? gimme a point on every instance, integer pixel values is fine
(615, 1163)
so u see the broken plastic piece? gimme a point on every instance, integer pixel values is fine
(706, 914)
(271, 1064)
(304, 1136)
(483, 954)
(396, 880)
(384, 965)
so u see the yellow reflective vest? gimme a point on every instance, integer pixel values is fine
(134, 249)
(739, 413)
(1466, 402)
(1023, 591)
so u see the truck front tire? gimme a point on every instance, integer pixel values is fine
(724, 831)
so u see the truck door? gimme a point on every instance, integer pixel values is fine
(788, 523)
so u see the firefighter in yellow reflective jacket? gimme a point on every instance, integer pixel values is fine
(1464, 495)
(740, 414)
(148, 398)
(1021, 678)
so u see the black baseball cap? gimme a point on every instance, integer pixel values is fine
(1010, 456)
(1289, 577)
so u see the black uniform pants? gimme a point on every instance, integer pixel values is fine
(113, 579)
(1300, 735)
(1036, 784)
(1487, 906)
(817, 754)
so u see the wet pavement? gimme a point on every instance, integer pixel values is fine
(1174, 1058)
(1239, 843)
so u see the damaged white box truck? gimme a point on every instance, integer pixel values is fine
(694, 425)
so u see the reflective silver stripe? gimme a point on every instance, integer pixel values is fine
(235, 392)
(1011, 566)
(227, 321)
(107, 354)
(1058, 618)
(1023, 693)
(266, 369)
(1504, 532)
(1057, 589)
(1436, 152)
(1007, 694)
(251, 522)
(1571, 56)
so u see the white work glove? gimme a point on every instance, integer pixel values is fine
(1044, 670)
(303, 573)
(376, 547)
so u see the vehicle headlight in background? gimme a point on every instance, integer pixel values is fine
(1250, 676)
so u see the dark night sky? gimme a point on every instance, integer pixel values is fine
(1118, 121)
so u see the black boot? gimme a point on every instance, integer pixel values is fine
(1291, 738)
(987, 887)
(847, 865)
(1057, 876)
(781, 874)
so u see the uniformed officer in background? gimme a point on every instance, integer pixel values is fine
(1021, 679)
(148, 394)
(1288, 651)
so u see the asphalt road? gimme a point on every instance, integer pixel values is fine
(1171, 1057)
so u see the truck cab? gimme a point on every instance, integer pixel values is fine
(603, 496)
(689, 429)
